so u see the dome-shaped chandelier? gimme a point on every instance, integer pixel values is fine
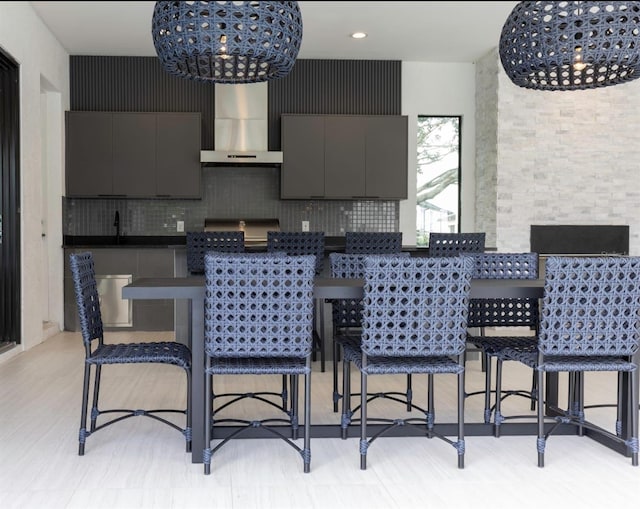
(227, 42)
(571, 45)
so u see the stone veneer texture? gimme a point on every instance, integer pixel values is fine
(561, 158)
(486, 146)
(239, 192)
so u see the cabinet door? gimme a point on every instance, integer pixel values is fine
(134, 154)
(178, 168)
(386, 157)
(344, 169)
(89, 153)
(303, 152)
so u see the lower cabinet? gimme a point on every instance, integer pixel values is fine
(114, 267)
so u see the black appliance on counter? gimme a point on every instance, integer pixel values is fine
(578, 240)
(591, 240)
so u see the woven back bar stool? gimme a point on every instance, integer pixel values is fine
(372, 242)
(414, 320)
(198, 243)
(452, 244)
(299, 243)
(222, 400)
(512, 312)
(258, 321)
(356, 243)
(590, 321)
(346, 315)
(99, 354)
(303, 243)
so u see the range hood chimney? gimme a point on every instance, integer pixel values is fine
(241, 127)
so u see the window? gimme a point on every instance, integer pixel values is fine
(438, 176)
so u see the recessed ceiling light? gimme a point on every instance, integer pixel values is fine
(358, 35)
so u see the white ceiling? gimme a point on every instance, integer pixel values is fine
(409, 31)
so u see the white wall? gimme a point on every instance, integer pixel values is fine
(42, 60)
(439, 89)
(52, 165)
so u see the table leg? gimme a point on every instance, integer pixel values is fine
(317, 340)
(319, 316)
(197, 374)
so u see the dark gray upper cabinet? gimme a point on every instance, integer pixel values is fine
(89, 152)
(131, 154)
(178, 168)
(344, 169)
(344, 157)
(302, 171)
(134, 154)
(386, 156)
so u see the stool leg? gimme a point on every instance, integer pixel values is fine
(307, 418)
(487, 388)
(497, 418)
(346, 399)
(336, 394)
(461, 398)
(363, 421)
(541, 439)
(633, 410)
(83, 411)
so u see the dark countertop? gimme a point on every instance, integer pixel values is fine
(133, 241)
(333, 244)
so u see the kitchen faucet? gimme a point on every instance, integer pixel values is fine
(116, 223)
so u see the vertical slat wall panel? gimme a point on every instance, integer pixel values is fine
(335, 87)
(138, 84)
(351, 87)
(313, 87)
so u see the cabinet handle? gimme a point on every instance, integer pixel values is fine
(364, 197)
(316, 197)
(163, 195)
(112, 195)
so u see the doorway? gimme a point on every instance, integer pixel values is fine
(9, 202)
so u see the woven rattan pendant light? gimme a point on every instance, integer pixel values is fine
(227, 42)
(571, 45)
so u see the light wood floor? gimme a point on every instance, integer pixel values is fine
(140, 463)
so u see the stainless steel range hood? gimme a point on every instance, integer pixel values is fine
(241, 127)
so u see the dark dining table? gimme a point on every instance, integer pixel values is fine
(192, 289)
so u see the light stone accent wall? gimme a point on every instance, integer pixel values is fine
(561, 158)
(486, 146)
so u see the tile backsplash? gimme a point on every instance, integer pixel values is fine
(228, 192)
